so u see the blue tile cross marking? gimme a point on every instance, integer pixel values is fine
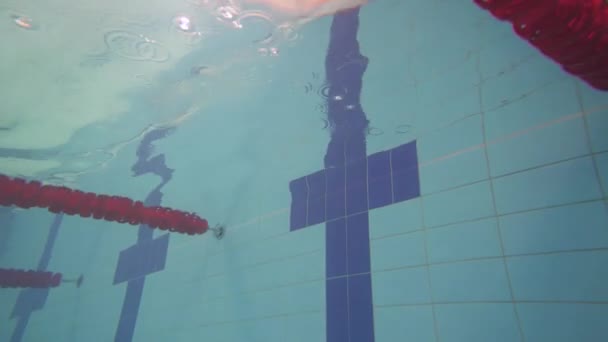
(148, 254)
(341, 197)
(351, 184)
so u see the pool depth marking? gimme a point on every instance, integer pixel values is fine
(147, 255)
(350, 185)
(29, 299)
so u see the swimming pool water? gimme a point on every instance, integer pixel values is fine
(411, 171)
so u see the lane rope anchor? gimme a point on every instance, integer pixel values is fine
(218, 231)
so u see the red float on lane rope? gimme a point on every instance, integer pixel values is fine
(574, 33)
(59, 199)
(28, 278)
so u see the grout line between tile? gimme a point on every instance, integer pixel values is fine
(495, 210)
(428, 272)
(596, 169)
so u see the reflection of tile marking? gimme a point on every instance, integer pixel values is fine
(147, 255)
(110, 152)
(30, 300)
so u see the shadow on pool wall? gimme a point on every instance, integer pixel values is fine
(505, 239)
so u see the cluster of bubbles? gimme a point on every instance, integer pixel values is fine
(226, 13)
(231, 14)
(322, 90)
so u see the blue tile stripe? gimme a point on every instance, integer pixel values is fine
(147, 255)
(30, 300)
(351, 184)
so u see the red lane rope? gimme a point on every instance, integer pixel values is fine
(59, 199)
(28, 278)
(573, 33)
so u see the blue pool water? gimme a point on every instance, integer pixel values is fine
(407, 172)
